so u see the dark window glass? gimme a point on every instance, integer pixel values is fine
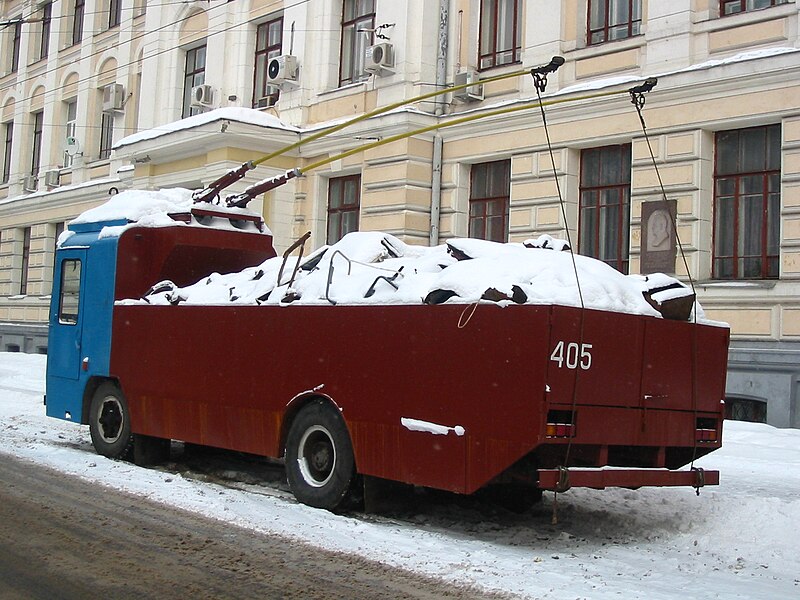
(114, 13)
(344, 205)
(358, 16)
(731, 7)
(106, 134)
(44, 40)
(747, 203)
(605, 190)
(26, 257)
(489, 194)
(745, 409)
(77, 21)
(9, 136)
(269, 44)
(36, 150)
(500, 33)
(611, 20)
(69, 300)
(16, 38)
(194, 75)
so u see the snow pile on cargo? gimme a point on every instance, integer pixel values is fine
(377, 268)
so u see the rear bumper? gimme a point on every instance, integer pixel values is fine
(562, 479)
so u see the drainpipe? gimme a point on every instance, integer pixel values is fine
(441, 81)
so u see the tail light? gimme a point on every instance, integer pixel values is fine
(560, 424)
(706, 431)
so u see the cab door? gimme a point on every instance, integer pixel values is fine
(65, 334)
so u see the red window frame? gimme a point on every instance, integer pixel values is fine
(344, 206)
(356, 14)
(746, 240)
(599, 33)
(264, 94)
(734, 7)
(490, 54)
(604, 214)
(490, 200)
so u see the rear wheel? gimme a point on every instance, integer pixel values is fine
(319, 457)
(110, 422)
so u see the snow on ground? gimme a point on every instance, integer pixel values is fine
(735, 541)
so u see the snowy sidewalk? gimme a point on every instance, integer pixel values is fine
(739, 540)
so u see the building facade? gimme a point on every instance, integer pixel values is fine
(97, 96)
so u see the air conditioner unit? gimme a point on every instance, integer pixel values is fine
(202, 95)
(473, 93)
(282, 69)
(113, 97)
(379, 59)
(51, 178)
(29, 183)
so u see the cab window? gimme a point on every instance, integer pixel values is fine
(69, 299)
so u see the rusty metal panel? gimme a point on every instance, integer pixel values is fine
(597, 353)
(628, 478)
(224, 375)
(148, 255)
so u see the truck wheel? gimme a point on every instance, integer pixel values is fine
(110, 422)
(319, 457)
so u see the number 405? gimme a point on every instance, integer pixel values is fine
(572, 355)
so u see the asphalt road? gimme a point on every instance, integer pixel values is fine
(63, 538)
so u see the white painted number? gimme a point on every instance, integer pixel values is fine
(572, 355)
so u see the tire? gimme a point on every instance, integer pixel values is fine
(110, 422)
(319, 457)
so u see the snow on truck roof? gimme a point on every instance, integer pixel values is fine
(142, 208)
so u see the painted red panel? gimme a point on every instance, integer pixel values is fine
(224, 375)
(632, 478)
(184, 255)
(599, 354)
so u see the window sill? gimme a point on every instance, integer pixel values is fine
(636, 41)
(516, 63)
(755, 284)
(344, 89)
(770, 13)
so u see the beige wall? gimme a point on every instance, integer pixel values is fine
(688, 106)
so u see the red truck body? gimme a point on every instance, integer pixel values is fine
(450, 396)
(231, 377)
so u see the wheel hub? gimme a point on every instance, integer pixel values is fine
(316, 456)
(110, 419)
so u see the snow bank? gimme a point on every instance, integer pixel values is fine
(735, 541)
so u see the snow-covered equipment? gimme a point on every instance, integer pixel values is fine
(455, 367)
